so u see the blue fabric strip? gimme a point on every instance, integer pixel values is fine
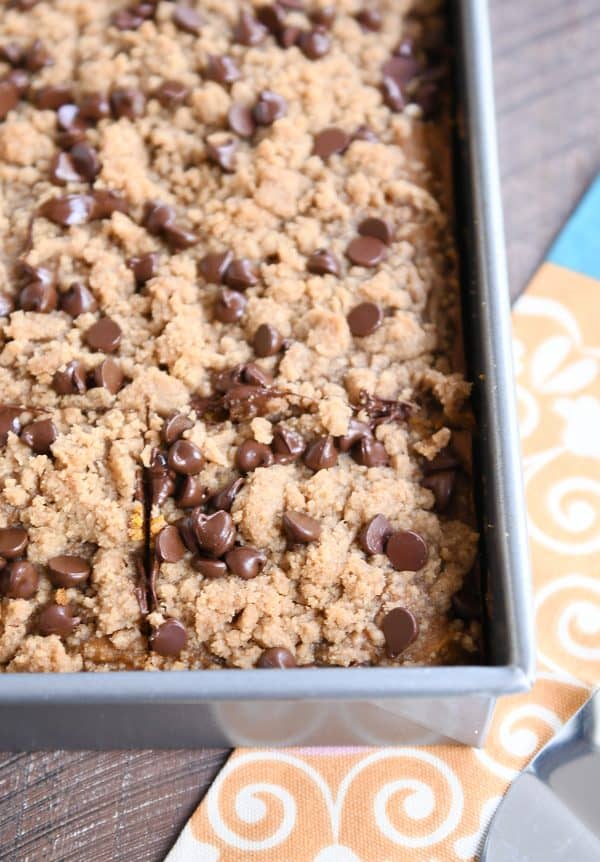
(577, 246)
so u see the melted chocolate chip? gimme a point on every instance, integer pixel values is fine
(174, 426)
(400, 629)
(187, 19)
(373, 536)
(57, 620)
(406, 551)
(320, 454)
(215, 533)
(300, 528)
(103, 335)
(52, 97)
(168, 639)
(191, 493)
(169, 546)
(127, 102)
(68, 210)
(240, 120)
(19, 580)
(9, 422)
(230, 306)
(287, 443)
(276, 657)
(213, 265)
(248, 30)
(108, 374)
(322, 263)
(245, 562)
(222, 69)
(68, 571)
(222, 152)
(314, 43)
(144, 267)
(39, 436)
(365, 318)
(184, 457)
(78, 300)
(71, 381)
(9, 97)
(356, 432)
(376, 227)
(267, 340)
(209, 568)
(330, 141)
(13, 541)
(366, 251)
(38, 296)
(251, 454)
(224, 498)
(171, 94)
(370, 453)
(441, 484)
(86, 161)
(241, 274)
(270, 107)
(382, 409)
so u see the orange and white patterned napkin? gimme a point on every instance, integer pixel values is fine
(434, 803)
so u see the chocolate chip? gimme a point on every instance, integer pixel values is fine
(185, 457)
(400, 629)
(241, 121)
(248, 31)
(428, 98)
(300, 528)
(57, 620)
(289, 36)
(393, 95)
(71, 381)
(230, 306)
(179, 238)
(441, 484)
(63, 170)
(222, 69)
(405, 48)
(174, 426)
(241, 274)
(86, 161)
(52, 97)
(191, 493)
(75, 132)
(68, 571)
(162, 483)
(376, 227)
(270, 107)
(245, 562)
(7, 305)
(106, 202)
(222, 153)
(37, 57)
(108, 374)
(171, 94)
(187, 19)
(38, 296)
(314, 43)
(251, 454)
(9, 422)
(104, 335)
(144, 266)
(68, 116)
(169, 547)
(370, 19)
(68, 210)
(320, 454)
(215, 533)
(401, 69)
(365, 318)
(267, 340)
(276, 657)
(94, 107)
(323, 262)
(127, 102)
(406, 551)
(373, 536)
(330, 141)
(272, 16)
(366, 251)
(78, 300)
(13, 541)
(157, 216)
(126, 19)
(298, 5)
(213, 265)
(370, 453)
(209, 568)
(224, 498)
(287, 443)
(39, 436)
(12, 53)
(446, 459)
(324, 17)
(364, 133)
(20, 79)
(168, 639)
(19, 580)
(356, 432)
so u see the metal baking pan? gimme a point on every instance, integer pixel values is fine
(353, 706)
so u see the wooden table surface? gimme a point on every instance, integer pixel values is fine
(107, 807)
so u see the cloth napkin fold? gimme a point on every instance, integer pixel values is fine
(433, 804)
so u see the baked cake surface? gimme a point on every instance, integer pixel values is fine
(235, 425)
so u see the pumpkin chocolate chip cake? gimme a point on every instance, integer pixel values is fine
(235, 429)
